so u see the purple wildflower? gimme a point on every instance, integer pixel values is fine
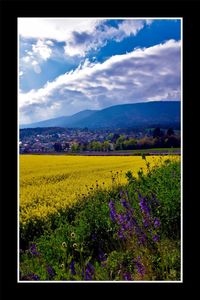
(156, 238)
(50, 271)
(126, 227)
(141, 236)
(89, 272)
(127, 276)
(90, 267)
(33, 250)
(72, 267)
(121, 234)
(125, 204)
(127, 222)
(156, 223)
(128, 207)
(120, 219)
(113, 214)
(35, 277)
(142, 239)
(121, 193)
(143, 205)
(129, 227)
(127, 217)
(102, 255)
(88, 276)
(145, 222)
(140, 266)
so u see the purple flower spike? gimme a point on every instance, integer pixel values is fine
(125, 204)
(36, 277)
(144, 207)
(121, 219)
(156, 223)
(121, 235)
(33, 250)
(113, 214)
(88, 276)
(50, 271)
(90, 268)
(89, 272)
(145, 222)
(140, 266)
(127, 276)
(72, 268)
(102, 256)
(156, 238)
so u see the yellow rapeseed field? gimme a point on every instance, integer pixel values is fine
(49, 182)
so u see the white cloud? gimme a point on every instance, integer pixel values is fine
(50, 43)
(26, 59)
(34, 63)
(79, 34)
(79, 43)
(131, 27)
(58, 29)
(42, 50)
(144, 74)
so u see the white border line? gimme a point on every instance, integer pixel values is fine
(18, 236)
(103, 18)
(98, 281)
(181, 149)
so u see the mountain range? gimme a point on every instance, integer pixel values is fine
(153, 113)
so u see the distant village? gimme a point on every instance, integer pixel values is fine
(49, 140)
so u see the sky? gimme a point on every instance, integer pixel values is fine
(66, 65)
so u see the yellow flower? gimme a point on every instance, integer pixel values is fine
(73, 235)
(64, 244)
(41, 181)
(75, 245)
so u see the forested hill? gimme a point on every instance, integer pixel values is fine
(147, 114)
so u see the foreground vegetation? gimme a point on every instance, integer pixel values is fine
(128, 231)
(51, 184)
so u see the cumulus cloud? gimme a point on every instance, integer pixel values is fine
(130, 27)
(141, 75)
(80, 43)
(41, 51)
(58, 29)
(79, 34)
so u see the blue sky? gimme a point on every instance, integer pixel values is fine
(68, 65)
